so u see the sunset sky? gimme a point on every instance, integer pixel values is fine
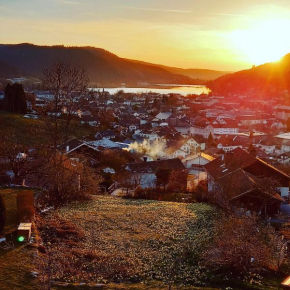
(214, 34)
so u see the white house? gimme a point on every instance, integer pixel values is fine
(152, 136)
(284, 158)
(132, 128)
(282, 112)
(286, 147)
(108, 134)
(204, 130)
(194, 164)
(197, 160)
(196, 142)
(269, 149)
(249, 120)
(222, 127)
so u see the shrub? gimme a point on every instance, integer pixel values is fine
(59, 230)
(25, 206)
(243, 244)
(2, 214)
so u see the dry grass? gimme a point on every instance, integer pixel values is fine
(15, 268)
(127, 240)
(132, 244)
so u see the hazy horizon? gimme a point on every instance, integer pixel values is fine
(220, 35)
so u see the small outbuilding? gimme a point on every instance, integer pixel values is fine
(24, 232)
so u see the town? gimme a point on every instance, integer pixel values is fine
(152, 127)
(76, 161)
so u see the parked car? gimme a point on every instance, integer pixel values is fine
(30, 116)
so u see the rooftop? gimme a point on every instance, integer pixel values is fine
(284, 136)
(151, 167)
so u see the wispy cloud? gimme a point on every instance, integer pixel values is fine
(66, 2)
(158, 10)
(228, 14)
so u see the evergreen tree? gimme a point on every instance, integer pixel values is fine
(210, 140)
(2, 214)
(252, 150)
(15, 99)
(288, 125)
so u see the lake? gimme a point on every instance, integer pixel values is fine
(172, 89)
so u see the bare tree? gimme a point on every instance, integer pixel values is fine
(12, 153)
(68, 180)
(67, 86)
(125, 180)
(178, 181)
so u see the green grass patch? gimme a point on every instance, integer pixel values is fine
(31, 132)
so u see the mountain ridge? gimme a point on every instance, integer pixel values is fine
(195, 73)
(102, 66)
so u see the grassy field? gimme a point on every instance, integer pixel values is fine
(16, 263)
(116, 240)
(133, 244)
(30, 132)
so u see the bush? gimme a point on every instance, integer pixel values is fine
(25, 206)
(2, 214)
(243, 244)
(58, 229)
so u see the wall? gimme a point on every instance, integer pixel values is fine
(284, 191)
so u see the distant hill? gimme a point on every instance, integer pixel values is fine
(195, 73)
(263, 80)
(102, 66)
(8, 71)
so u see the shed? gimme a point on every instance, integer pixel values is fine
(24, 232)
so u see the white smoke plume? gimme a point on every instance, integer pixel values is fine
(151, 148)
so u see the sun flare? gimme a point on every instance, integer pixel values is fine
(266, 41)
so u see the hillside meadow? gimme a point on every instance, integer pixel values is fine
(31, 132)
(118, 240)
(135, 244)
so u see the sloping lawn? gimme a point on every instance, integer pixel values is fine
(133, 244)
(115, 240)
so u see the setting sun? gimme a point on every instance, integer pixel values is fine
(264, 42)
